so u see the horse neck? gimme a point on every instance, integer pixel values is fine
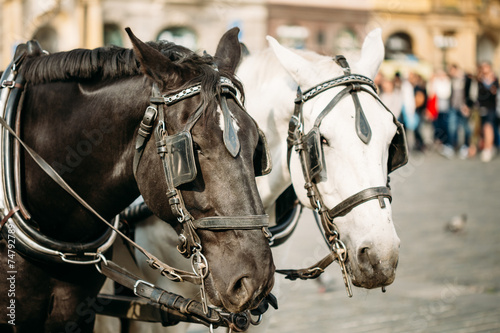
(270, 92)
(86, 133)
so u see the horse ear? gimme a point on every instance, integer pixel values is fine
(153, 63)
(228, 52)
(300, 69)
(372, 54)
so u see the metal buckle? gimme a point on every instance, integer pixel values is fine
(136, 284)
(81, 262)
(8, 84)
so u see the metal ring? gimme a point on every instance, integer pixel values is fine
(318, 206)
(103, 258)
(254, 322)
(194, 265)
(339, 245)
(181, 218)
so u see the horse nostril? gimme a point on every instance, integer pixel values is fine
(364, 250)
(241, 289)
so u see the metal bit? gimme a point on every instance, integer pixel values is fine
(347, 282)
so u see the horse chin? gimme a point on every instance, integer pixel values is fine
(214, 298)
(371, 276)
(241, 269)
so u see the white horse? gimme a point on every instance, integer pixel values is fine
(350, 165)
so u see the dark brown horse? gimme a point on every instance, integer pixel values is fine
(81, 113)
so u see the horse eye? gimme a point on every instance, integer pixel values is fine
(324, 141)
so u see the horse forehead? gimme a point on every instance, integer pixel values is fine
(340, 121)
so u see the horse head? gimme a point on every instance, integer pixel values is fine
(209, 144)
(351, 144)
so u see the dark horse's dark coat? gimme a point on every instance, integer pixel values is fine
(81, 112)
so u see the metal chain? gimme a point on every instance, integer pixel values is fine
(199, 264)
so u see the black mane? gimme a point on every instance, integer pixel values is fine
(115, 62)
(100, 63)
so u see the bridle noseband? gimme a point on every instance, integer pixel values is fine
(308, 146)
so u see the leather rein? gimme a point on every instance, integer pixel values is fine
(353, 83)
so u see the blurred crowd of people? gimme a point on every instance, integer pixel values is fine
(463, 108)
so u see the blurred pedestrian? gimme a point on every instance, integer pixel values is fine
(487, 96)
(459, 110)
(440, 86)
(420, 95)
(379, 78)
(408, 117)
(391, 96)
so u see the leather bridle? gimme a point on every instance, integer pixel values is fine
(189, 241)
(353, 84)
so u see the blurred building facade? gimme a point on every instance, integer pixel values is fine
(435, 32)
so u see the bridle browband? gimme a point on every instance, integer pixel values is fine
(353, 83)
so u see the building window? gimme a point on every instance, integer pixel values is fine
(180, 35)
(47, 37)
(399, 46)
(346, 42)
(112, 35)
(485, 49)
(294, 36)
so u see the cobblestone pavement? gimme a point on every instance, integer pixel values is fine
(446, 282)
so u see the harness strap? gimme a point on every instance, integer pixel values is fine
(8, 216)
(330, 105)
(342, 62)
(157, 295)
(230, 222)
(311, 272)
(294, 125)
(143, 134)
(365, 195)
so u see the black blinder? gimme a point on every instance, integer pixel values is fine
(398, 150)
(180, 157)
(262, 157)
(314, 152)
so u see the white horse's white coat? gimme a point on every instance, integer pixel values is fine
(351, 165)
